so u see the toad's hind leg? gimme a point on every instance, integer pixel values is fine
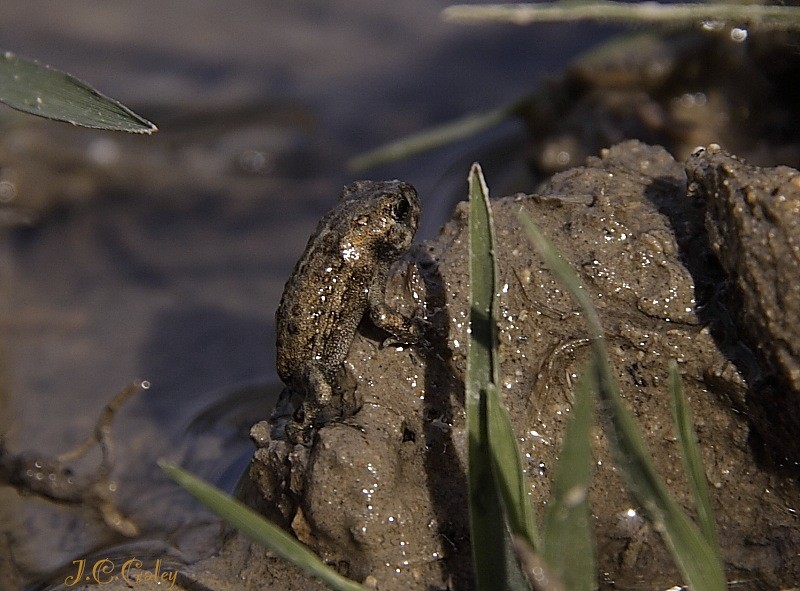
(317, 385)
(318, 406)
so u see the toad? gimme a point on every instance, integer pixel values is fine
(340, 278)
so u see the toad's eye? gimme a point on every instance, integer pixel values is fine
(400, 209)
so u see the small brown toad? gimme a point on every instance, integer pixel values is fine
(341, 277)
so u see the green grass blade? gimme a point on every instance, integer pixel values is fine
(697, 561)
(504, 452)
(753, 16)
(690, 455)
(482, 276)
(567, 533)
(258, 529)
(495, 565)
(508, 472)
(534, 567)
(45, 92)
(435, 137)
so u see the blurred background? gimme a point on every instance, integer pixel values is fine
(164, 257)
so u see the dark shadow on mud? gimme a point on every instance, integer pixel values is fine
(444, 399)
(716, 302)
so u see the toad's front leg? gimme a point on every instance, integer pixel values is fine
(405, 330)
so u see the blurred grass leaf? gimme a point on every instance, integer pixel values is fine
(699, 563)
(258, 529)
(40, 90)
(493, 553)
(755, 16)
(567, 534)
(690, 455)
(437, 136)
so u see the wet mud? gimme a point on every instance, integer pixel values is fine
(382, 495)
(679, 90)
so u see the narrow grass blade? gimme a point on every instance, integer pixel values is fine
(503, 450)
(45, 92)
(435, 137)
(491, 545)
(567, 533)
(754, 16)
(690, 455)
(508, 472)
(537, 571)
(697, 561)
(258, 529)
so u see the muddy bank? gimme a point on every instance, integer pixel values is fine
(679, 90)
(382, 495)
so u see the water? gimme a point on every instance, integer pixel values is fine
(164, 258)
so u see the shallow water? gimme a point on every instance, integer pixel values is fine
(164, 258)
